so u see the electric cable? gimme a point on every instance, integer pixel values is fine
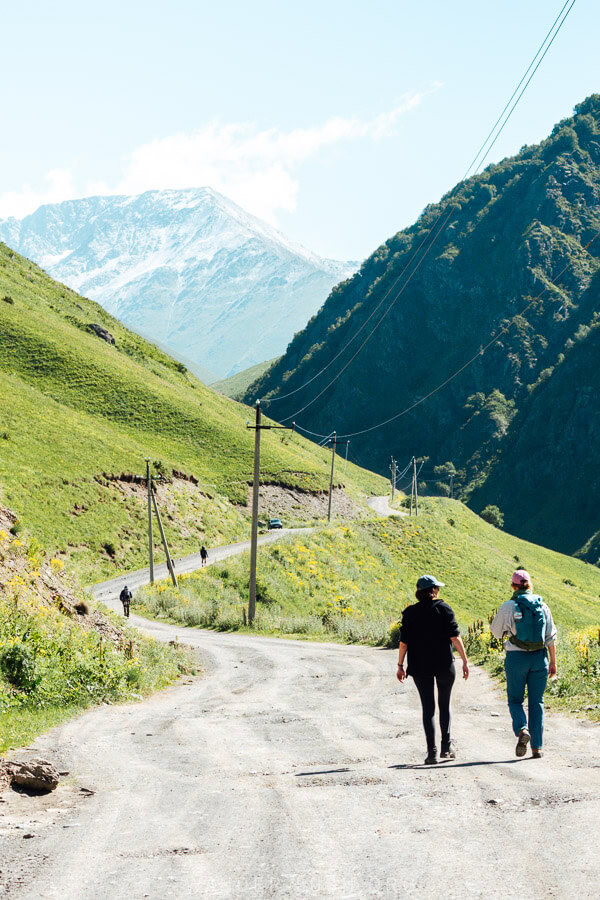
(454, 375)
(436, 229)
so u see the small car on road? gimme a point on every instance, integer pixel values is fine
(275, 523)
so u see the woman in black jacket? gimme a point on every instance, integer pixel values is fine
(429, 629)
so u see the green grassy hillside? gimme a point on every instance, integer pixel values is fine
(58, 657)
(236, 385)
(371, 569)
(78, 413)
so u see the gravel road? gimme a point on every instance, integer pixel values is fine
(381, 505)
(108, 591)
(294, 769)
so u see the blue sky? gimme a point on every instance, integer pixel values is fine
(336, 121)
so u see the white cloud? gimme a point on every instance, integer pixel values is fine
(24, 201)
(256, 168)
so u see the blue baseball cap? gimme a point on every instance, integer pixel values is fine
(428, 581)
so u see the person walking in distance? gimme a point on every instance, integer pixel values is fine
(204, 555)
(125, 598)
(429, 631)
(527, 623)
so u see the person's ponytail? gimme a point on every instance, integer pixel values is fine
(425, 594)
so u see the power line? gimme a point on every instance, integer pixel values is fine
(525, 74)
(454, 375)
(437, 228)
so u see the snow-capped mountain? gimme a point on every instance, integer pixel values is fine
(188, 268)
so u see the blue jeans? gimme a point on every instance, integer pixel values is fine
(527, 668)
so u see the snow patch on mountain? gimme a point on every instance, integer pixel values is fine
(187, 267)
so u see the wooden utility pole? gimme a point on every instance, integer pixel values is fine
(412, 487)
(393, 468)
(164, 542)
(150, 542)
(254, 530)
(333, 446)
(255, 493)
(416, 487)
(346, 461)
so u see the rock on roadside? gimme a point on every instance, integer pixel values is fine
(35, 774)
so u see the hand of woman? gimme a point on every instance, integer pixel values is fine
(465, 670)
(551, 669)
(400, 673)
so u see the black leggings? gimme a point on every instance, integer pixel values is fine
(445, 682)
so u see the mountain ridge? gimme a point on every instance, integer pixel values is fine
(187, 267)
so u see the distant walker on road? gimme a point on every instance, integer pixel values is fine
(204, 555)
(125, 598)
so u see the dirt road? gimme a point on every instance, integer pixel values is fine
(108, 591)
(382, 507)
(295, 770)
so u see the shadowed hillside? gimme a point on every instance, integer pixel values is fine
(520, 236)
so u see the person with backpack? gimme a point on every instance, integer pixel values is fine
(428, 632)
(125, 598)
(203, 555)
(530, 633)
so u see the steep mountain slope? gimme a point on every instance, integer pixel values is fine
(523, 230)
(79, 415)
(186, 267)
(549, 459)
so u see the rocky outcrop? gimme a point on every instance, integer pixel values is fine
(102, 333)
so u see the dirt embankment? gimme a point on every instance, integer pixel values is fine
(292, 505)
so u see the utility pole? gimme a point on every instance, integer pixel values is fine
(164, 541)
(416, 487)
(393, 468)
(346, 462)
(255, 490)
(333, 446)
(452, 487)
(412, 487)
(150, 543)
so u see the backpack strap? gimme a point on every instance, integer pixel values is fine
(526, 645)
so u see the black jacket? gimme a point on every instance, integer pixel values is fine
(427, 627)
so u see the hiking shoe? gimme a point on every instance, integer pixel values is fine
(536, 754)
(431, 759)
(524, 738)
(448, 752)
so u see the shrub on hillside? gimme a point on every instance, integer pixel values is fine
(17, 664)
(493, 515)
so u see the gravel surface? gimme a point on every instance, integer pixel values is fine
(108, 591)
(294, 769)
(382, 507)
